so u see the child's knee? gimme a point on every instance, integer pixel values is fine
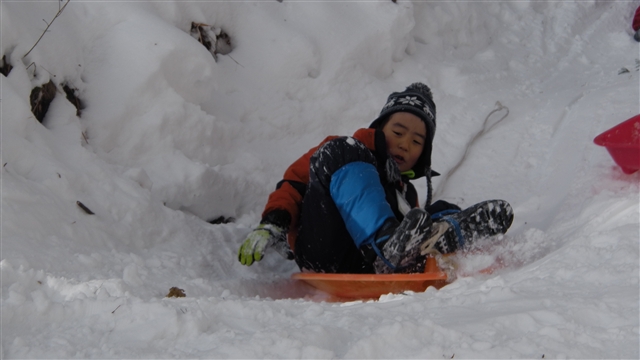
(337, 153)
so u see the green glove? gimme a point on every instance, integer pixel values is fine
(264, 236)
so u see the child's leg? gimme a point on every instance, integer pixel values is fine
(453, 230)
(484, 219)
(325, 242)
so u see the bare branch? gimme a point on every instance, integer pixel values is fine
(83, 207)
(47, 28)
(235, 60)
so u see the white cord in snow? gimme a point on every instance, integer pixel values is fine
(484, 130)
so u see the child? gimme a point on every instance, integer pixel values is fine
(347, 205)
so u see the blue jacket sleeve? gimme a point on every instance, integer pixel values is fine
(360, 198)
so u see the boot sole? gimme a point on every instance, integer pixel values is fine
(485, 219)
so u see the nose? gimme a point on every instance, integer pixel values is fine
(403, 144)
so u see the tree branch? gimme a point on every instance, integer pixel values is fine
(47, 28)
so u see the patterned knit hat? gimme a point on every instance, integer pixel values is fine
(418, 100)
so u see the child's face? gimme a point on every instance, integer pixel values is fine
(406, 135)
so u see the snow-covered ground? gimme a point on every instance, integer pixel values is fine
(169, 138)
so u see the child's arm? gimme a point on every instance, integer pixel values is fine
(281, 214)
(290, 190)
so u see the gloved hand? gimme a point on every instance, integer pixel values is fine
(265, 236)
(441, 205)
(390, 170)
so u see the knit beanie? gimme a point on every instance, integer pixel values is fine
(418, 100)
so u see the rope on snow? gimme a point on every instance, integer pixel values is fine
(485, 128)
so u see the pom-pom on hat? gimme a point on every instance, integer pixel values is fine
(418, 100)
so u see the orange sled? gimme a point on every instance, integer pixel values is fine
(372, 286)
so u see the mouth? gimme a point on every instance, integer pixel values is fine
(398, 159)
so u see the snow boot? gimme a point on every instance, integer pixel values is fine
(392, 239)
(485, 219)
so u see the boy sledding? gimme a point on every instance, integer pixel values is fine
(348, 206)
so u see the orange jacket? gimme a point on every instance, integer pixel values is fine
(287, 197)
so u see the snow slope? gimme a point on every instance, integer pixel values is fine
(169, 138)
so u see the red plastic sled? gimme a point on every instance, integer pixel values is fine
(623, 144)
(372, 286)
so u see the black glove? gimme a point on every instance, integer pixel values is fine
(441, 205)
(387, 167)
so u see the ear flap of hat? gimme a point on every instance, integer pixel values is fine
(423, 165)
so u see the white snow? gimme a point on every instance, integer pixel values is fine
(170, 138)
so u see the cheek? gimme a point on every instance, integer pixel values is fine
(389, 143)
(415, 154)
